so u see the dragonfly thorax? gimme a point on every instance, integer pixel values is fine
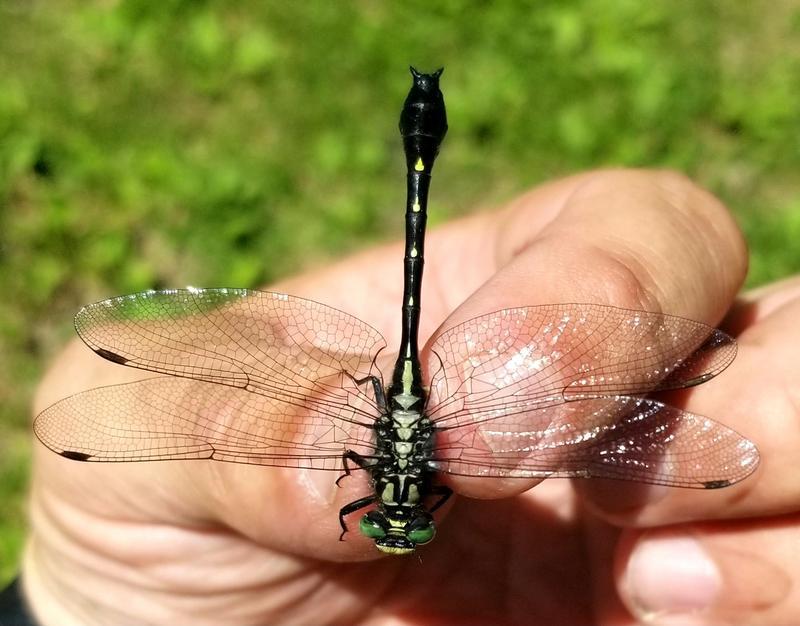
(401, 479)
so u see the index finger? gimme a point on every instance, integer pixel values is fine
(648, 241)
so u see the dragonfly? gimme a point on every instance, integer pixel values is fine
(265, 378)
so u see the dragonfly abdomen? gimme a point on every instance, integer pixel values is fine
(423, 125)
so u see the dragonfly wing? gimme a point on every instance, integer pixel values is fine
(286, 348)
(624, 438)
(529, 357)
(168, 418)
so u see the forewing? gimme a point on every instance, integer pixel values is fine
(288, 349)
(168, 418)
(622, 438)
(521, 359)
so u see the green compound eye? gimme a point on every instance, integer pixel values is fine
(371, 526)
(423, 534)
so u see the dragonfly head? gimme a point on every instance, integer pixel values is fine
(398, 533)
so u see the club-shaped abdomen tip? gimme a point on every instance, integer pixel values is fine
(416, 73)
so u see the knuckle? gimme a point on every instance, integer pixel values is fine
(625, 281)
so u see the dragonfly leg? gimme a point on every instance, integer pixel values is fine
(356, 458)
(443, 491)
(352, 508)
(377, 387)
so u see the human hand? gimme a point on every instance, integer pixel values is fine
(213, 543)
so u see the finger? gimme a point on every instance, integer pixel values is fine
(754, 305)
(634, 239)
(639, 240)
(725, 573)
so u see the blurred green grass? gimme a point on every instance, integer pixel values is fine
(148, 144)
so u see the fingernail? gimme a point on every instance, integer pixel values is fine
(670, 576)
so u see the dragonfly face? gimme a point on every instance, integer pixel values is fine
(263, 378)
(395, 533)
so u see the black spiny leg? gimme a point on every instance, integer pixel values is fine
(355, 457)
(377, 387)
(352, 508)
(380, 399)
(363, 463)
(443, 491)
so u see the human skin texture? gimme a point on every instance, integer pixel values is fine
(201, 542)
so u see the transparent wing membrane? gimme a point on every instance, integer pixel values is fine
(168, 418)
(621, 437)
(270, 379)
(261, 378)
(286, 348)
(545, 391)
(526, 358)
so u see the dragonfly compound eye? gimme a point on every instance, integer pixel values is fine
(373, 525)
(421, 530)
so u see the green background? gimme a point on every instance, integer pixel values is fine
(164, 143)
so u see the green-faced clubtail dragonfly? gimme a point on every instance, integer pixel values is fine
(271, 379)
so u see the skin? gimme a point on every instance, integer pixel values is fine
(216, 543)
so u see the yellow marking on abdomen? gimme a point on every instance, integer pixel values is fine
(419, 165)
